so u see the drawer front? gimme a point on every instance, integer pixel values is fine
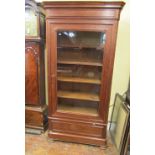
(77, 128)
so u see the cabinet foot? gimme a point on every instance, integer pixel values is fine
(103, 147)
(36, 119)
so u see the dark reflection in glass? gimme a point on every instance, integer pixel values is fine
(81, 39)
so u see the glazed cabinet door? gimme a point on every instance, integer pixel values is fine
(79, 70)
(79, 61)
(31, 74)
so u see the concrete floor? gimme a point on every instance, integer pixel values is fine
(42, 145)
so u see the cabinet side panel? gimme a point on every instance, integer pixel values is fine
(42, 75)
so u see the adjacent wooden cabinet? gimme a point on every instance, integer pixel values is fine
(35, 102)
(81, 39)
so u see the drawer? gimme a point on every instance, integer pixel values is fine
(86, 129)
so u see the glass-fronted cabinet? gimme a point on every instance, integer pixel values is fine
(79, 69)
(81, 39)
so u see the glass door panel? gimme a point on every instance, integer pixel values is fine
(79, 69)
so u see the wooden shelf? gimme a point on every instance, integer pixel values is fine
(96, 47)
(79, 62)
(83, 57)
(79, 45)
(79, 80)
(78, 96)
(78, 110)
